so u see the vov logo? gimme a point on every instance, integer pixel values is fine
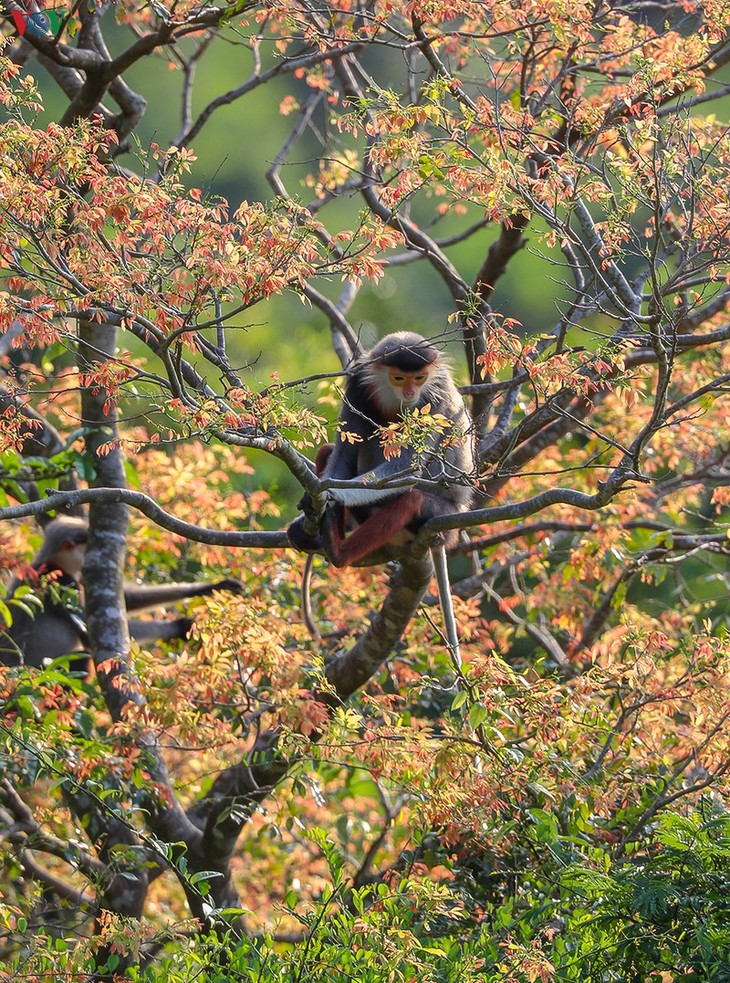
(31, 20)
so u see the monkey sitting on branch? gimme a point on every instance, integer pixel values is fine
(58, 627)
(402, 374)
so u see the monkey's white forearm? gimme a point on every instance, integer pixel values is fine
(362, 495)
(377, 485)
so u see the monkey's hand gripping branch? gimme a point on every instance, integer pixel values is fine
(305, 533)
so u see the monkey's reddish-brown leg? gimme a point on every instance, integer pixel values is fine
(377, 530)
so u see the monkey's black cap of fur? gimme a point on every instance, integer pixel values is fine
(406, 350)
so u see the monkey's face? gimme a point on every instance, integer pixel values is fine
(393, 387)
(407, 386)
(70, 558)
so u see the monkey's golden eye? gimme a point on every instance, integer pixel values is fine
(420, 378)
(398, 378)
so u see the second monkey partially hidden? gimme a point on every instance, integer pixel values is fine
(58, 626)
(403, 372)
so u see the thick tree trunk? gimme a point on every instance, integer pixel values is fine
(125, 893)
